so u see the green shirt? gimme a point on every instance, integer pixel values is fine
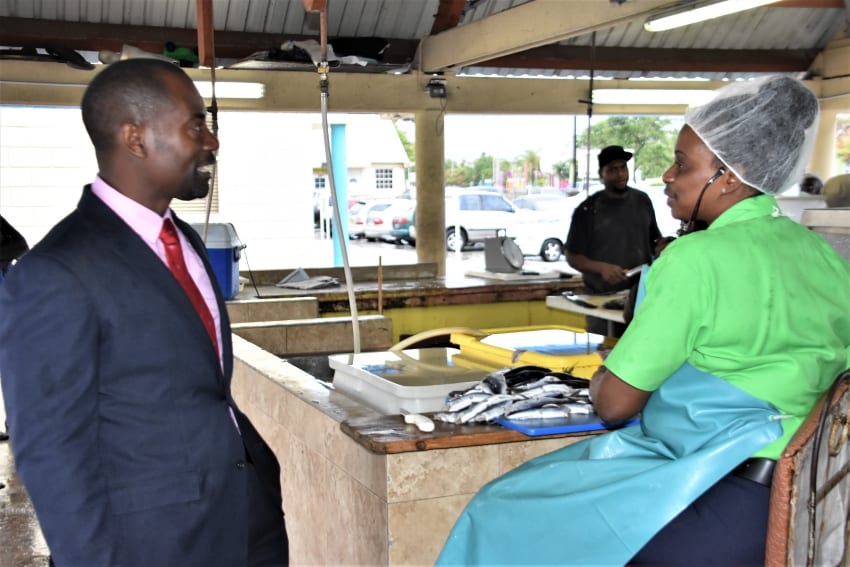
(757, 300)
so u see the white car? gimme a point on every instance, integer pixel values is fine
(358, 213)
(542, 224)
(472, 216)
(379, 221)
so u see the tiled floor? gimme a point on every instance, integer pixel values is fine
(21, 542)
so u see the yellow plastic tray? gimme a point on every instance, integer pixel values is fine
(559, 348)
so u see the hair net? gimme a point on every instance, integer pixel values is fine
(763, 130)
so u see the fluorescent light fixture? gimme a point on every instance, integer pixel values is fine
(699, 12)
(652, 96)
(231, 89)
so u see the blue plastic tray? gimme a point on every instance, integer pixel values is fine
(571, 424)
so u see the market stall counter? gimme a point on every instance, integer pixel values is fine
(416, 299)
(359, 486)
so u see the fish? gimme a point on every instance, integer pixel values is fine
(545, 412)
(531, 403)
(492, 412)
(483, 405)
(578, 408)
(549, 390)
(448, 417)
(524, 374)
(464, 401)
(548, 379)
(495, 382)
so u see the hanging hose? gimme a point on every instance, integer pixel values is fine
(323, 68)
(213, 110)
(589, 103)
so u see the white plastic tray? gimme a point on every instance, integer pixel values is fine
(413, 380)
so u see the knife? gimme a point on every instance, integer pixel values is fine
(570, 296)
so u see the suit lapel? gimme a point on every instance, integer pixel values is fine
(126, 247)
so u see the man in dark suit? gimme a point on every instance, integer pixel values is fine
(116, 373)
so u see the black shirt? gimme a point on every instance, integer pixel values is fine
(12, 244)
(618, 231)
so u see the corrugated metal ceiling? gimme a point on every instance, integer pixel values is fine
(804, 26)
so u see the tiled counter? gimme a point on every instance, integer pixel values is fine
(346, 503)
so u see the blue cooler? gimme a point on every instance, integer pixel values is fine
(224, 250)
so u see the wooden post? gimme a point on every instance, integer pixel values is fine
(206, 34)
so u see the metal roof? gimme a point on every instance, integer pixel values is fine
(783, 37)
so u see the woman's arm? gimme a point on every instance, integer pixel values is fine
(613, 399)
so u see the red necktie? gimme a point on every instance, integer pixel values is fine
(174, 256)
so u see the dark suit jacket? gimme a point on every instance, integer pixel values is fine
(117, 405)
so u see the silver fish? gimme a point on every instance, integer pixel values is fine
(495, 382)
(465, 401)
(578, 408)
(545, 412)
(548, 390)
(467, 415)
(492, 412)
(448, 417)
(531, 403)
(548, 379)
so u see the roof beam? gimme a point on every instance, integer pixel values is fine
(654, 59)
(448, 15)
(533, 24)
(34, 33)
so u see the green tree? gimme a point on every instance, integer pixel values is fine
(459, 173)
(651, 138)
(483, 168)
(530, 163)
(562, 168)
(409, 147)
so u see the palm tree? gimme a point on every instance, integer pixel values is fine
(530, 163)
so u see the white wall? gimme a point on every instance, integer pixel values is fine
(266, 186)
(45, 159)
(265, 179)
(265, 174)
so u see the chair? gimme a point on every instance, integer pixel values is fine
(810, 494)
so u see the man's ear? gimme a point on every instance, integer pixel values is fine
(132, 138)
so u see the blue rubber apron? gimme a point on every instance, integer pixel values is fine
(599, 501)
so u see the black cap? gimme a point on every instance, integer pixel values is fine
(613, 153)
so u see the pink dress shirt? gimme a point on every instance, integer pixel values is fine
(147, 224)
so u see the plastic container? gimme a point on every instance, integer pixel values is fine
(559, 348)
(224, 250)
(413, 380)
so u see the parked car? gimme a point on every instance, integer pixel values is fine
(359, 212)
(379, 220)
(403, 223)
(542, 224)
(473, 216)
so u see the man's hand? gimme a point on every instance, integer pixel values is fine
(612, 273)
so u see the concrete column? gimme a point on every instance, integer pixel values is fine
(430, 189)
(823, 159)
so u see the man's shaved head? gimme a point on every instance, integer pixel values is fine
(126, 91)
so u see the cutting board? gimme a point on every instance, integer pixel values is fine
(571, 424)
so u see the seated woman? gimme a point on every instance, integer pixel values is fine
(739, 329)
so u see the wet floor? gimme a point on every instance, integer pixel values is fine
(21, 542)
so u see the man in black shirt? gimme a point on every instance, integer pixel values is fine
(12, 246)
(613, 230)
